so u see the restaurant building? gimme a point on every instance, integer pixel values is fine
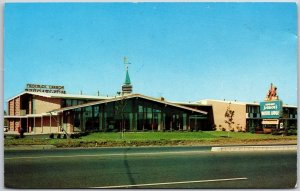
(49, 109)
(39, 112)
(31, 110)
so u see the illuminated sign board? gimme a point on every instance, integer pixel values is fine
(271, 109)
(45, 88)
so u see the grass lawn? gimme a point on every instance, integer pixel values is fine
(154, 138)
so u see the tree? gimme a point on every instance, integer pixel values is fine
(229, 118)
(120, 107)
(5, 120)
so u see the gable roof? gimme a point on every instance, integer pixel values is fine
(66, 96)
(118, 98)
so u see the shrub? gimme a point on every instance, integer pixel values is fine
(214, 127)
(252, 129)
(239, 128)
(276, 132)
(83, 134)
(292, 132)
(75, 136)
(51, 136)
(58, 136)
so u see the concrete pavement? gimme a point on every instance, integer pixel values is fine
(255, 148)
(213, 148)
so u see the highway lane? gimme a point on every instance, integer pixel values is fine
(154, 167)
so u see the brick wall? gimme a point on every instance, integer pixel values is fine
(37, 122)
(11, 106)
(17, 124)
(17, 106)
(14, 106)
(11, 124)
(46, 121)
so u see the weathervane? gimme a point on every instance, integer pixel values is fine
(126, 62)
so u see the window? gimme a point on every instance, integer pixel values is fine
(68, 102)
(80, 102)
(74, 102)
(140, 108)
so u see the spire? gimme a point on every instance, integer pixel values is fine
(127, 79)
(127, 87)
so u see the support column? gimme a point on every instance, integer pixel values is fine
(42, 124)
(58, 123)
(62, 122)
(27, 126)
(34, 125)
(100, 118)
(50, 122)
(72, 122)
(189, 122)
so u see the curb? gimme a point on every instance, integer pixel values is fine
(254, 148)
(29, 147)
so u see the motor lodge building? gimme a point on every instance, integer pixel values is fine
(48, 109)
(38, 112)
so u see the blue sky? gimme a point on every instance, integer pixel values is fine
(181, 51)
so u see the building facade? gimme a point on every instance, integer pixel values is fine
(30, 110)
(132, 112)
(48, 109)
(247, 116)
(37, 112)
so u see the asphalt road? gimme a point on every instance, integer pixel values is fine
(149, 167)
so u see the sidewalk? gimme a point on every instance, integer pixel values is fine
(255, 148)
(29, 147)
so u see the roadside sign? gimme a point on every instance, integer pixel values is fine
(271, 109)
(281, 125)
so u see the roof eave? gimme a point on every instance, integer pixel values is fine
(128, 97)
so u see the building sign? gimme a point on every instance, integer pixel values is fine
(45, 88)
(271, 109)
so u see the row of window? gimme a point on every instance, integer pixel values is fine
(256, 110)
(134, 116)
(72, 102)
